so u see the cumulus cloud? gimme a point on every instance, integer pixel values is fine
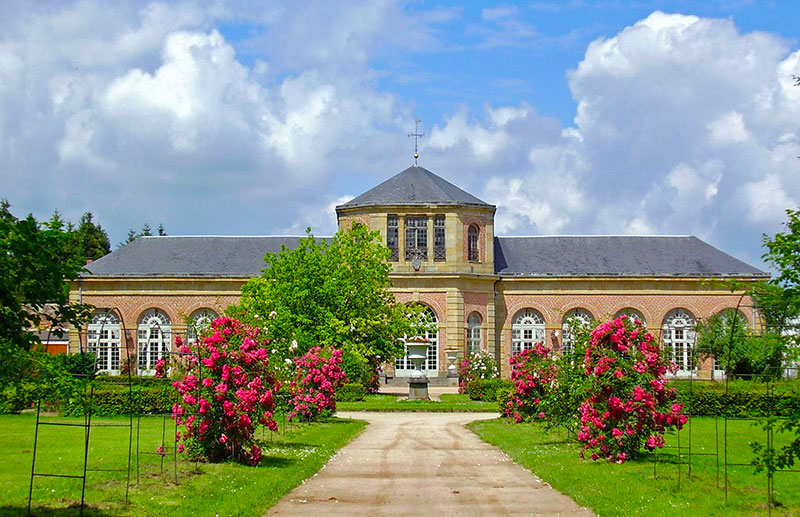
(683, 124)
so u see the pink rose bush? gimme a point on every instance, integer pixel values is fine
(629, 404)
(534, 374)
(228, 389)
(318, 374)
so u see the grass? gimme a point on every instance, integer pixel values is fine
(632, 489)
(290, 456)
(451, 402)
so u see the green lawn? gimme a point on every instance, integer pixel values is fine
(631, 489)
(450, 402)
(290, 456)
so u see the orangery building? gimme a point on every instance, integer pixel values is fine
(485, 292)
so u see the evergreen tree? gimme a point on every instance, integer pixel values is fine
(92, 238)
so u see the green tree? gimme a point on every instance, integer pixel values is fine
(35, 260)
(146, 231)
(726, 337)
(779, 303)
(331, 293)
(92, 238)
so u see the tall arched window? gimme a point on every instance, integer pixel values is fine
(154, 339)
(526, 330)
(678, 335)
(631, 313)
(472, 243)
(729, 324)
(576, 319)
(199, 321)
(474, 333)
(103, 340)
(404, 366)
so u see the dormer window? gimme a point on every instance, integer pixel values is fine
(439, 249)
(392, 237)
(416, 238)
(472, 243)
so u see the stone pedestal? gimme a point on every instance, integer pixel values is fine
(418, 388)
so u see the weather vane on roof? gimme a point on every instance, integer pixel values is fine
(417, 135)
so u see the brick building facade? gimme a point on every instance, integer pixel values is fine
(496, 294)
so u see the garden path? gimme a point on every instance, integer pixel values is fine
(415, 463)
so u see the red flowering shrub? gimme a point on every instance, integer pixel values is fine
(316, 379)
(534, 374)
(629, 405)
(226, 392)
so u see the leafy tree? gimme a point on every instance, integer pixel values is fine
(779, 302)
(35, 260)
(331, 293)
(726, 336)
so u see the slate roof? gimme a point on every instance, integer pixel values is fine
(561, 256)
(415, 186)
(615, 256)
(190, 256)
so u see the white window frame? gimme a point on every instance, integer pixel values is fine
(201, 319)
(474, 341)
(404, 367)
(632, 314)
(154, 340)
(103, 339)
(527, 330)
(679, 336)
(567, 339)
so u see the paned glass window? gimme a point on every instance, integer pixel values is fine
(472, 243)
(154, 339)
(678, 335)
(439, 249)
(526, 330)
(574, 320)
(103, 340)
(416, 238)
(632, 314)
(432, 360)
(393, 237)
(199, 322)
(474, 333)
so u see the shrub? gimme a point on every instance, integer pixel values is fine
(351, 392)
(119, 400)
(479, 365)
(744, 399)
(227, 390)
(629, 404)
(533, 373)
(486, 389)
(316, 380)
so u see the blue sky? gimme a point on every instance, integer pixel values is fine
(576, 117)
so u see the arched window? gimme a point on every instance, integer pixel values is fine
(474, 333)
(154, 339)
(431, 365)
(526, 330)
(631, 313)
(729, 324)
(103, 340)
(199, 321)
(678, 335)
(576, 319)
(472, 243)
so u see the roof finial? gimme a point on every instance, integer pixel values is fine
(416, 134)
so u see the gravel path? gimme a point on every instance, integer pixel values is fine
(423, 463)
